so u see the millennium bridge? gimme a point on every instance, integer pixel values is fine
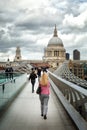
(20, 108)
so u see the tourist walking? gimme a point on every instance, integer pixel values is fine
(33, 77)
(11, 72)
(39, 73)
(7, 73)
(45, 92)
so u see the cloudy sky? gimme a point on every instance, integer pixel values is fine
(30, 25)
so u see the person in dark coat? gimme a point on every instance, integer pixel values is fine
(7, 73)
(11, 72)
(39, 73)
(33, 77)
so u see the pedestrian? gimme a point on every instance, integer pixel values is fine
(33, 77)
(45, 92)
(11, 72)
(7, 73)
(39, 73)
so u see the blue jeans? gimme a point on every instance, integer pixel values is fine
(44, 103)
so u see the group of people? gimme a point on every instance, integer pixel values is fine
(9, 72)
(44, 83)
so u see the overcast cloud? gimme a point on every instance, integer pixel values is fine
(30, 25)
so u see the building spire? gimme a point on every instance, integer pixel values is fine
(18, 54)
(55, 32)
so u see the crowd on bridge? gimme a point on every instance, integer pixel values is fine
(44, 87)
(9, 72)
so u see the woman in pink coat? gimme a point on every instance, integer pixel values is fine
(45, 92)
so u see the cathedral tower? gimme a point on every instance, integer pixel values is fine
(18, 54)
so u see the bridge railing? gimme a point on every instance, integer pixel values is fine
(7, 76)
(73, 98)
(10, 88)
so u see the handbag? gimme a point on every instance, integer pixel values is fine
(38, 91)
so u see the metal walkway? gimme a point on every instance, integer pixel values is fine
(24, 113)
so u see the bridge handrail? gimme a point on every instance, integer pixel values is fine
(80, 122)
(69, 84)
(10, 80)
(5, 79)
(10, 89)
(75, 116)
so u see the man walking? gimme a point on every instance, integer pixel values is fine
(33, 77)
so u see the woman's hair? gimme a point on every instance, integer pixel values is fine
(44, 79)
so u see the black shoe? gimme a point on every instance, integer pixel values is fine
(45, 117)
(41, 114)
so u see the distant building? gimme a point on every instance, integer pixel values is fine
(76, 55)
(78, 68)
(67, 56)
(18, 54)
(54, 53)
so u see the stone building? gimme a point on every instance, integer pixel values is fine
(78, 68)
(18, 54)
(54, 53)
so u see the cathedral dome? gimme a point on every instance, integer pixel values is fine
(55, 40)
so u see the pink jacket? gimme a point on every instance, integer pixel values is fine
(45, 89)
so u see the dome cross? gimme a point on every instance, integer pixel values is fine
(55, 32)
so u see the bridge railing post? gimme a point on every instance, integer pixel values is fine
(74, 94)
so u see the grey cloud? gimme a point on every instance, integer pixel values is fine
(2, 32)
(74, 29)
(6, 17)
(21, 21)
(35, 49)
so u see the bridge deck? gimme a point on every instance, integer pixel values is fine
(24, 113)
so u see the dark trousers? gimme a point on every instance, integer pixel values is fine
(33, 83)
(11, 75)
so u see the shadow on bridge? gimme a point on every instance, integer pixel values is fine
(24, 113)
